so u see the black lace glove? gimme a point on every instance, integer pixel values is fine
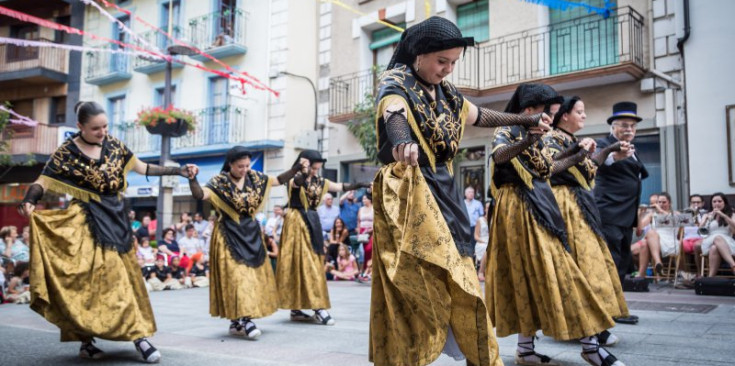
(397, 129)
(353, 186)
(601, 155)
(568, 152)
(487, 117)
(299, 179)
(561, 165)
(34, 193)
(196, 189)
(288, 174)
(508, 152)
(157, 170)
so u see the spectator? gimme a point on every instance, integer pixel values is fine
(134, 224)
(200, 224)
(692, 242)
(199, 271)
(365, 225)
(327, 212)
(169, 246)
(26, 235)
(207, 235)
(146, 252)
(719, 244)
(18, 287)
(274, 225)
(661, 240)
(272, 251)
(474, 208)
(178, 275)
(482, 235)
(143, 229)
(348, 208)
(639, 249)
(152, 227)
(337, 236)
(346, 265)
(184, 219)
(190, 244)
(12, 247)
(160, 275)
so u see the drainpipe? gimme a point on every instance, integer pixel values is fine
(684, 6)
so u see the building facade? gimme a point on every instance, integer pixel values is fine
(632, 54)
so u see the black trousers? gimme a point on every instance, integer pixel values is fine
(618, 241)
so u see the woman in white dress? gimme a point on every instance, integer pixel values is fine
(482, 235)
(661, 239)
(719, 244)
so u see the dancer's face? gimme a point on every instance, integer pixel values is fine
(315, 168)
(240, 167)
(434, 67)
(95, 129)
(574, 120)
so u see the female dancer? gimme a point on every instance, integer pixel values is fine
(532, 281)
(103, 295)
(302, 283)
(426, 297)
(573, 192)
(242, 287)
(719, 244)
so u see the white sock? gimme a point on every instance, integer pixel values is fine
(525, 344)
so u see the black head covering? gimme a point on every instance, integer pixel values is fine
(235, 154)
(529, 95)
(566, 107)
(624, 110)
(431, 35)
(312, 155)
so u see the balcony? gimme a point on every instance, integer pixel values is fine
(33, 65)
(218, 128)
(577, 53)
(107, 68)
(220, 34)
(153, 65)
(32, 143)
(580, 52)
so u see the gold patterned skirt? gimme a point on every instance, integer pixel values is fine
(83, 289)
(302, 283)
(235, 289)
(421, 284)
(590, 252)
(532, 282)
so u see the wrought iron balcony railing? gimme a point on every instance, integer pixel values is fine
(346, 91)
(220, 34)
(150, 65)
(104, 68)
(15, 58)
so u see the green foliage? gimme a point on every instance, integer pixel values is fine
(5, 133)
(363, 126)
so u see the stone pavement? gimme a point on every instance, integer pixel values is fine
(671, 332)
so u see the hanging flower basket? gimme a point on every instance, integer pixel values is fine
(171, 121)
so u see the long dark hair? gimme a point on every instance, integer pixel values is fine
(727, 210)
(334, 227)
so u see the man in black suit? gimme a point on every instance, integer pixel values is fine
(618, 188)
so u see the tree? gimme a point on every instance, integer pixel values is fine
(363, 126)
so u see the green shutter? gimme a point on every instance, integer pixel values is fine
(584, 44)
(386, 36)
(473, 20)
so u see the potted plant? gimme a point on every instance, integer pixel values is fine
(169, 121)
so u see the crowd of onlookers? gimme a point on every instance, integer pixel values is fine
(14, 255)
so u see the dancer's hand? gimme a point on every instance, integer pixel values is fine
(26, 209)
(189, 171)
(407, 153)
(626, 150)
(304, 162)
(545, 122)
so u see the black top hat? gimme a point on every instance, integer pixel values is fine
(624, 110)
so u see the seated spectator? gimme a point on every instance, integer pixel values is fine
(661, 241)
(639, 248)
(160, 276)
(169, 246)
(272, 251)
(346, 265)
(482, 235)
(178, 274)
(337, 236)
(199, 272)
(190, 244)
(365, 227)
(26, 236)
(19, 285)
(327, 212)
(692, 241)
(719, 245)
(147, 252)
(367, 275)
(207, 235)
(184, 220)
(12, 247)
(143, 229)
(200, 224)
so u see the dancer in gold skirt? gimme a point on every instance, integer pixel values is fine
(85, 278)
(242, 287)
(532, 281)
(573, 191)
(426, 297)
(300, 276)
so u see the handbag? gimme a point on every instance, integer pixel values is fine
(363, 238)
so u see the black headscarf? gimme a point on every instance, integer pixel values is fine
(566, 107)
(529, 95)
(431, 35)
(235, 154)
(312, 156)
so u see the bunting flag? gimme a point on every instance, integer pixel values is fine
(347, 7)
(254, 81)
(19, 119)
(566, 4)
(31, 43)
(427, 8)
(121, 25)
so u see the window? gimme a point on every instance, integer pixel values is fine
(58, 110)
(116, 106)
(159, 96)
(176, 24)
(473, 20)
(383, 43)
